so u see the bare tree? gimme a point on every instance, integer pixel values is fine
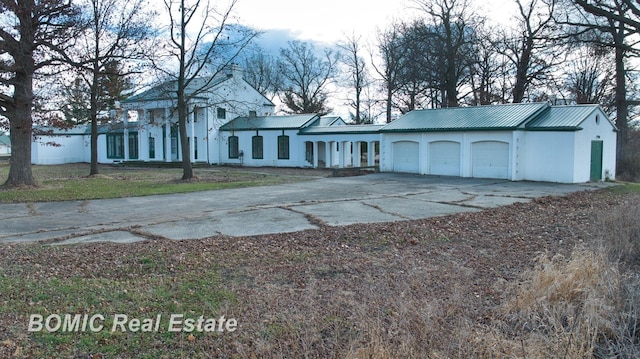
(488, 73)
(357, 76)
(305, 77)
(591, 78)
(201, 46)
(608, 23)
(116, 34)
(453, 25)
(392, 54)
(28, 29)
(419, 78)
(530, 46)
(261, 72)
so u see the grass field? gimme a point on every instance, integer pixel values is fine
(70, 182)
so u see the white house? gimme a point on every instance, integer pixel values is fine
(155, 135)
(234, 124)
(534, 141)
(306, 140)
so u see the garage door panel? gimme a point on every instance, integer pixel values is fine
(490, 159)
(406, 157)
(444, 158)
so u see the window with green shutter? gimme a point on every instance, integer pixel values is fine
(115, 145)
(233, 147)
(283, 147)
(256, 148)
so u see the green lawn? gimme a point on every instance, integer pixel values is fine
(70, 182)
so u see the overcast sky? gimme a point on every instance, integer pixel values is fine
(329, 20)
(319, 20)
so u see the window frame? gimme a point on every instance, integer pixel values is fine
(257, 147)
(283, 147)
(234, 147)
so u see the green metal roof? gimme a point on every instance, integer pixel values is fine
(495, 117)
(335, 130)
(567, 118)
(5, 140)
(269, 122)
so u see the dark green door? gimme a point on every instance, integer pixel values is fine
(596, 160)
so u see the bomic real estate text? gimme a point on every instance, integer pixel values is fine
(124, 323)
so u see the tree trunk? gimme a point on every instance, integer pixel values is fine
(187, 169)
(21, 127)
(94, 147)
(389, 101)
(522, 67)
(20, 166)
(94, 123)
(621, 97)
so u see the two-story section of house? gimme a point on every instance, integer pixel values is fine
(150, 128)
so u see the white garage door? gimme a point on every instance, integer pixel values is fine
(406, 157)
(444, 158)
(490, 159)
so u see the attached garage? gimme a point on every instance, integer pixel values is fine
(444, 158)
(406, 156)
(490, 159)
(524, 141)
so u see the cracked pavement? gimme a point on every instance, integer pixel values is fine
(380, 197)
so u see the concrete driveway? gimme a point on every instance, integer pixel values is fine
(380, 197)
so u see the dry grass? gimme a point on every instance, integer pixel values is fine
(530, 280)
(583, 306)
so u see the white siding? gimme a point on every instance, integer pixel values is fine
(269, 150)
(549, 156)
(592, 130)
(58, 149)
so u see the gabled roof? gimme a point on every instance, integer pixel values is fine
(329, 121)
(494, 117)
(167, 90)
(290, 122)
(563, 118)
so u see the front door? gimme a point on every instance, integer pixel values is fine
(596, 160)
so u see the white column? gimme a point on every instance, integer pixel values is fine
(355, 161)
(371, 153)
(192, 144)
(341, 153)
(125, 123)
(316, 155)
(167, 135)
(143, 136)
(327, 153)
